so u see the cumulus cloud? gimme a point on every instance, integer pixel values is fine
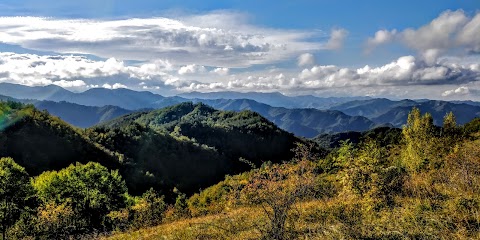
(381, 37)
(406, 75)
(191, 69)
(69, 84)
(114, 86)
(451, 30)
(206, 40)
(221, 71)
(78, 72)
(29, 67)
(337, 37)
(404, 71)
(459, 91)
(306, 59)
(470, 34)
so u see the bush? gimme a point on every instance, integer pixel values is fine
(90, 190)
(149, 210)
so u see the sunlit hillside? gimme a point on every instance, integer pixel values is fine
(427, 187)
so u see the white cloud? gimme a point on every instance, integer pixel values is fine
(221, 71)
(337, 37)
(191, 69)
(118, 85)
(106, 85)
(451, 30)
(306, 59)
(459, 91)
(114, 86)
(221, 39)
(470, 34)
(28, 67)
(408, 76)
(69, 84)
(77, 71)
(404, 71)
(381, 37)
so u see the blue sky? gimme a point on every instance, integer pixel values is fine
(396, 49)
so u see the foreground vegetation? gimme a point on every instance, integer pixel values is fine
(426, 187)
(420, 183)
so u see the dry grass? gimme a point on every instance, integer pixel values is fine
(443, 203)
(237, 224)
(342, 217)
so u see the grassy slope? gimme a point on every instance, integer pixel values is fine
(336, 218)
(441, 203)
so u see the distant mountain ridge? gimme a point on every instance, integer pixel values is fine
(275, 99)
(124, 98)
(464, 113)
(372, 108)
(80, 115)
(385, 111)
(75, 114)
(305, 116)
(306, 122)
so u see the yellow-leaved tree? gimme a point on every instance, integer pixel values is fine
(420, 141)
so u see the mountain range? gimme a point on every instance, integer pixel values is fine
(385, 111)
(305, 122)
(276, 99)
(124, 98)
(305, 116)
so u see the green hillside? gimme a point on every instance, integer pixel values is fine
(191, 146)
(185, 146)
(41, 142)
(424, 187)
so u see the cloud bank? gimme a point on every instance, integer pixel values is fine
(450, 31)
(79, 72)
(219, 39)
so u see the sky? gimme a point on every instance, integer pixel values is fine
(394, 49)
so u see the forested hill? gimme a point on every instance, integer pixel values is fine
(383, 135)
(230, 133)
(193, 145)
(188, 146)
(41, 142)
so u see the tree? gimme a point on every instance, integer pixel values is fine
(15, 191)
(450, 131)
(421, 144)
(276, 189)
(91, 190)
(181, 207)
(449, 122)
(149, 209)
(369, 174)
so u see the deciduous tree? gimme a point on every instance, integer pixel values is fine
(15, 191)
